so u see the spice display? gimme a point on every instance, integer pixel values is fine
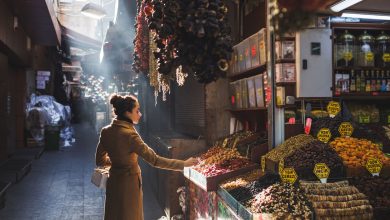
(243, 193)
(377, 189)
(282, 200)
(304, 159)
(332, 123)
(193, 35)
(241, 180)
(355, 152)
(289, 146)
(337, 201)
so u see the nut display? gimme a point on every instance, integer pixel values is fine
(241, 180)
(326, 122)
(289, 146)
(337, 201)
(355, 152)
(377, 189)
(224, 167)
(243, 193)
(304, 159)
(282, 200)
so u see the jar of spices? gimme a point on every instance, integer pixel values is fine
(345, 50)
(366, 56)
(383, 50)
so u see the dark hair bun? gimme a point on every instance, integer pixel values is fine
(116, 100)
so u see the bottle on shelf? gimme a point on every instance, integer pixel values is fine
(362, 82)
(373, 81)
(383, 81)
(388, 81)
(368, 82)
(353, 82)
(358, 82)
(378, 81)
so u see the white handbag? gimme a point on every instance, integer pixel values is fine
(100, 176)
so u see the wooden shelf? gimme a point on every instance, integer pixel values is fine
(247, 109)
(285, 39)
(287, 106)
(285, 61)
(364, 95)
(360, 68)
(285, 83)
(248, 73)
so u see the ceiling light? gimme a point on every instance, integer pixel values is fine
(341, 5)
(365, 15)
(93, 10)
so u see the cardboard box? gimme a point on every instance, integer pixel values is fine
(263, 46)
(254, 50)
(251, 92)
(232, 95)
(259, 90)
(237, 88)
(241, 57)
(247, 54)
(244, 92)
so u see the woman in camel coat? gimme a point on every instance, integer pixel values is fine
(119, 147)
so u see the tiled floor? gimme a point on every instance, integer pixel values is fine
(59, 187)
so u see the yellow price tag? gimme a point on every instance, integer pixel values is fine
(322, 171)
(364, 119)
(263, 163)
(374, 166)
(225, 142)
(289, 175)
(346, 129)
(324, 135)
(348, 56)
(386, 57)
(333, 108)
(369, 56)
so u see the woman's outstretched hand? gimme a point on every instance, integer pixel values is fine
(190, 162)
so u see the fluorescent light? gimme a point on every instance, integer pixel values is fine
(366, 16)
(343, 5)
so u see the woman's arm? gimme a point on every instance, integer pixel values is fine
(101, 156)
(148, 154)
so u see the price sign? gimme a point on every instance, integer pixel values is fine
(369, 56)
(281, 166)
(289, 175)
(348, 56)
(333, 109)
(386, 57)
(346, 129)
(364, 119)
(263, 163)
(374, 166)
(322, 171)
(324, 135)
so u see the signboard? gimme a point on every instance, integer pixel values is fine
(346, 129)
(289, 175)
(374, 166)
(322, 171)
(324, 135)
(333, 108)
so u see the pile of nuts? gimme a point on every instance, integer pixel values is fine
(227, 166)
(289, 146)
(355, 152)
(241, 180)
(284, 201)
(222, 155)
(337, 200)
(304, 159)
(377, 189)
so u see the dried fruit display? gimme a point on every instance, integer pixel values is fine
(226, 166)
(244, 193)
(374, 132)
(283, 201)
(241, 180)
(326, 122)
(337, 201)
(355, 152)
(193, 35)
(289, 146)
(377, 189)
(304, 159)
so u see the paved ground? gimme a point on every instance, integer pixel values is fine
(59, 187)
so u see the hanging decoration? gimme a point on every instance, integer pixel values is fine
(192, 37)
(141, 41)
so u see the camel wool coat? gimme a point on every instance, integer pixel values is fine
(119, 147)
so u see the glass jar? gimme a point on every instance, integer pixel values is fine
(382, 57)
(345, 51)
(366, 56)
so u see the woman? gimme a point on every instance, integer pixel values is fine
(119, 147)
